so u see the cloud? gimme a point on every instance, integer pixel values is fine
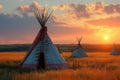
(59, 7)
(54, 7)
(88, 10)
(1, 6)
(27, 9)
(62, 7)
(16, 30)
(80, 10)
(66, 24)
(112, 8)
(108, 22)
(21, 0)
(96, 7)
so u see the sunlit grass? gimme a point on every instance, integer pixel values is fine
(10, 56)
(97, 66)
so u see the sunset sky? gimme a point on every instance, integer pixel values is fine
(97, 21)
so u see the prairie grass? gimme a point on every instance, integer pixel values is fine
(97, 66)
(11, 56)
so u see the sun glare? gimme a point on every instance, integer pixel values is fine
(106, 37)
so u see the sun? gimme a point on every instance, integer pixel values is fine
(106, 37)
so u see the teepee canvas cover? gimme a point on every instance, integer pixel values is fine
(79, 52)
(115, 51)
(43, 53)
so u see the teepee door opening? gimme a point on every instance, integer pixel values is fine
(41, 61)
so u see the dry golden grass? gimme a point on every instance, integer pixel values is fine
(69, 74)
(97, 66)
(10, 56)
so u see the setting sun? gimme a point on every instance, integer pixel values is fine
(106, 37)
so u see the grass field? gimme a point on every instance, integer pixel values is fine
(97, 66)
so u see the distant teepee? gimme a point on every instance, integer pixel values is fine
(115, 50)
(43, 53)
(79, 52)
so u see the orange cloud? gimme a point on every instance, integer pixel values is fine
(96, 8)
(62, 7)
(80, 10)
(112, 8)
(54, 7)
(23, 8)
(59, 7)
(1, 6)
(108, 22)
(27, 9)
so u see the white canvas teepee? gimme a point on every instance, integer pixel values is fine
(79, 52)
(115, 51)
(43, 53)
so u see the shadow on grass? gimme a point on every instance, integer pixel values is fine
(13, 66)
(8, 70)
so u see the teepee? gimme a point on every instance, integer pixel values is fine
(79, 52)
(115, 51)
(43, 53)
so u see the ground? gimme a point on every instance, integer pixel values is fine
(97, 66)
